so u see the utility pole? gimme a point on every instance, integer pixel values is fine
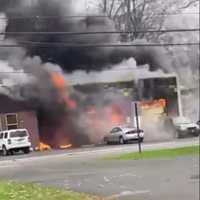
(137, 127)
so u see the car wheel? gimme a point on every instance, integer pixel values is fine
(121, 140)
(11, 152)
(196, 133)
(4, 151)
(26, 150)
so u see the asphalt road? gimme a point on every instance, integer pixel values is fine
(100, 150)
(84, 171)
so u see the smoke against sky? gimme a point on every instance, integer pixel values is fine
(78, 58)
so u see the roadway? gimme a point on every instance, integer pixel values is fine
(83, 170)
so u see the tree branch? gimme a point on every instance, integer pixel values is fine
(188, 4)
(111, 8)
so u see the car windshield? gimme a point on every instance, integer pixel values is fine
(115, 130)
(18, 134)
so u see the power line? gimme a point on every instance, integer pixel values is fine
(70, 17)
(20, 72)
(106, 45)
(101, 32)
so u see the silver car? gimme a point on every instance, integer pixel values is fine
(123, 135)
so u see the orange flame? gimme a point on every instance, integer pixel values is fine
(116, 116)
(43, 147)
(59, 82)
(65, 146)
(154, 104)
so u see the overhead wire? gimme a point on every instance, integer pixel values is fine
(98, 32)
(69, 45)
(70, 17)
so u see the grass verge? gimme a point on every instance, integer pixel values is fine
(28, 191)
(163, 153)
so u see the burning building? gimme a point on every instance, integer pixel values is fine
(70, 86)
(116, 89)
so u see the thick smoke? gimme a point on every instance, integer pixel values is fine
(31, 66)
(27, 79)
(77, 58)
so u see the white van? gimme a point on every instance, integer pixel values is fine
(14, 140)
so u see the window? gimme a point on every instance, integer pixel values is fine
(1, 135)
(18, 134)
(0, 124)
(131, 132)
(11, 121)
(115, 130)
(134, 131)
(5, 135)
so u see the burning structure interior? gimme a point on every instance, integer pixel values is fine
(158, 101)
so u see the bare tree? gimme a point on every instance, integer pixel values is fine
(135, 15)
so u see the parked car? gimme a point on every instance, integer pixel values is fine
(185, 127)
(14, 140)
(123, 135)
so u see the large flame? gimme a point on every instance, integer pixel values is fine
(153, 104)
(58, 136)
(153, 108)
(117, 115)
(58, 81)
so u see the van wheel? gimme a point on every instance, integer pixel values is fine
(4, 151)
(26, 150)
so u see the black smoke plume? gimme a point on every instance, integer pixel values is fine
(70, 58)
(41, 94)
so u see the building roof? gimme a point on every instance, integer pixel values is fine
(117, 74)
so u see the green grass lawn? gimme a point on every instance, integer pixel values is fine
(28, 191)
(163, 153)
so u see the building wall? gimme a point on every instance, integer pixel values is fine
(25, 119)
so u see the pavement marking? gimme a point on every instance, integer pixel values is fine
(127, 193)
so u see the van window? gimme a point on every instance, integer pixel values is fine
(6, 135)
(14, 134)
(1, 135)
